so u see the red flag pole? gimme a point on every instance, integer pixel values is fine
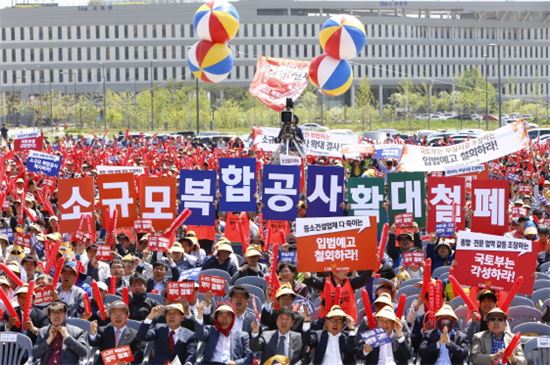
(87, 305)
(383, 241)
(511, 347)
(182, 217)
(58, 268)
(368, 309)
(28, 304)
(99, 300)
(9, 308)
(401, 306)
(512, 293)
(11, 275)
(458, 290)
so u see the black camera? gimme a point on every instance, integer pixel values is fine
(286, 115)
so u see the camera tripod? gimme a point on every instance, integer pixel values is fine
(288, 145)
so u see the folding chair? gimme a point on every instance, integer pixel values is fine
(536, 355)
(255, 291)
(539, 296)
(109, 298)
(408, 290)
(444, 276)
(462, 314)
(523, 314)
(83, 324)
(544, 267)
(456, 302)
(519, 300)
(133, 324)
(252, 280)
(532, 329)
(440, 270)
(410, 282)
(159, 298)
(541, 276)
(14, 348)
(541, 284)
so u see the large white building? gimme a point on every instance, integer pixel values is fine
(77, 49)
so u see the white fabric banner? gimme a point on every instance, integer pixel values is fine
(498, 143)
(102, 170)
(315, 143)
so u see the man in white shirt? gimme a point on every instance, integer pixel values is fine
(282, 341)
(334, 346)
(396, 352)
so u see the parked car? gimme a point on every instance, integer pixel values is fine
(538, 132)
(347, 132)
(313, 127)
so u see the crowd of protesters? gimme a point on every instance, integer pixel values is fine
(298, 321)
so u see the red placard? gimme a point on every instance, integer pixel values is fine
(490, 206)
(143, 225)
(211, 283)
(231, 226)
(22, 239)
(276, 226)
(117, 355)
(157, 242)
(43, 294)
(517, 212)
(157, 198)
(104, 253)
(180, 290)
(277, 79)
(76, 198)
(525, 190)
(495, 262)
(446, 198)
(413, 258)
(117, 191)
(34, 141)
(404, 220)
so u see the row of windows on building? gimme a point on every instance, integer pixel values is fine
(246, 73)
(177, 31)
(148, 53)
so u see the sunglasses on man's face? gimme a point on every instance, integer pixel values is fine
(494, 319)
(16, 252)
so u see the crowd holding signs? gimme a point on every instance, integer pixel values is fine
(402, 250)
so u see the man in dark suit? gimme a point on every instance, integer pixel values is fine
(224, 345)
(445, 343)
(333, 345)
(68, 292)
(171, 339)
(282, 341)
(398, 351)
(117, 333)
(159, 280)
(37, 318)
(285, 297)
(244, 317)
(59, 343)
(140, 304)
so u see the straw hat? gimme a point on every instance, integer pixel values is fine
(175, 306)
(336, 311)
(530, 231)
(54, 236)
(224, 247)
(176, 247)
(24, 289)
(496, 312)
(224, 308)
(388, 313)
(384, 298)
(102, 286)
(284, 290)
(128, 257)
(4, 281)
(446, 310)
(251, 252)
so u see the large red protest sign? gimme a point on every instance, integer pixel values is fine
(446, 199)
(76, 198)
(28, 141)
(490, 206)
(157, 200)
(275, 227)
(345, 243)
(495, 262)
(277, 79)
(117, 191)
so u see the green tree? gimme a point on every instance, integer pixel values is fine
(471, 92)
(407, 98)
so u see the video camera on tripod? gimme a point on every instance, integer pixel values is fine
(289, 124)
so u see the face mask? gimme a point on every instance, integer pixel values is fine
(445, 323)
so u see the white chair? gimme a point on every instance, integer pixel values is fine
(519, 300)
(252, 280)
(536, 355)
(532, 328)
(456, 302)
(440, 270)
(408, 290)
(539, 296)
(523, 314)
(14, 348)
